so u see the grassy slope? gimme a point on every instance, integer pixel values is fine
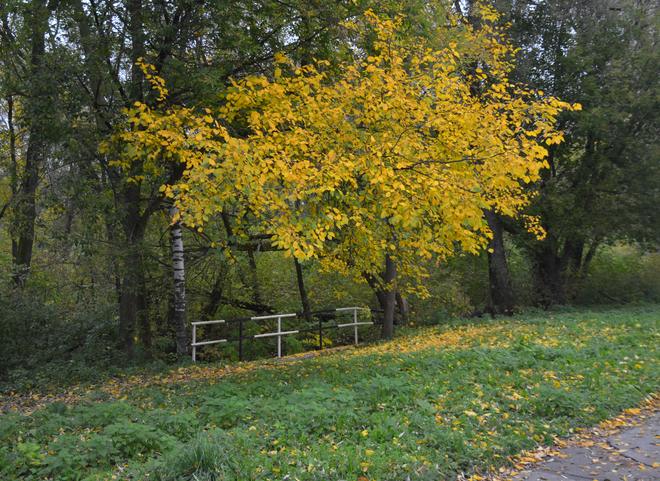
(428, 405)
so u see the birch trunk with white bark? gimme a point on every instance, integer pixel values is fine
(179, 272)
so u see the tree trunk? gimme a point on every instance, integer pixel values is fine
(178, 268)
(143, 313)
(384, 295)
(132, 265)
(214, 298)
(26, 214)
(548, 274)
(128, 298)
(254, 278)
(307, 311)
(389, 298)
(13, 162)
(94, 65)
(403, 308)
(574, 253)
(136, 28)
(501, 291)
(129, 199)
(558, 269)
(586, 262)
(25, 210)
(380, 295)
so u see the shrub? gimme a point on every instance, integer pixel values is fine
(74, 455)
(212, 456)
(131, 439)
(53, 344)
(182, 425)
(621, 274)
(226, 412)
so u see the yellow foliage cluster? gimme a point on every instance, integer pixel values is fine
(398, 154)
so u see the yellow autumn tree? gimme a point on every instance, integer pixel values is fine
(376, 170)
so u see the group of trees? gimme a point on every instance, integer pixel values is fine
(603, 182)
(372, 144)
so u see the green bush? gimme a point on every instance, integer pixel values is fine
(131, 439)
(182, 425)
(74, 456)
(53, 344)
(226, 412)
(621, 274)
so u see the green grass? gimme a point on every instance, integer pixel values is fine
(429, 405)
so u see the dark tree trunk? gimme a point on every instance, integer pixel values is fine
(129, 197)
(571, 258)
(143, 313)
(380, 295)
(548, 276)
(136, 29)
(557, 270)
(91, 44)
(389, 297)
(501, 291)
(25, 207)
(214, 298)
(128, 297)
(307, 311)
(254, 278)
(115, 261)
(26, 213)
(586, 262)
(403, 308)
(13, 163)
(132, 266)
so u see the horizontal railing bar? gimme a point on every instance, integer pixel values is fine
(354, 324)
(239, 319)
(300, 331)
(301, 314)
(204, 343)
(352, 309)
(274, 316)
(271, 334)
(325, 325)
(310, 329)
(332, 326)
(201, 323)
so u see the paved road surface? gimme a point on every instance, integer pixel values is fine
(632, 454)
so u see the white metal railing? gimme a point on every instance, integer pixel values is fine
(279, 333)
(194, 343)
(355, 322)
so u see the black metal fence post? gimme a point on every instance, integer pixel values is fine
(320, 333)
(240, 340)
